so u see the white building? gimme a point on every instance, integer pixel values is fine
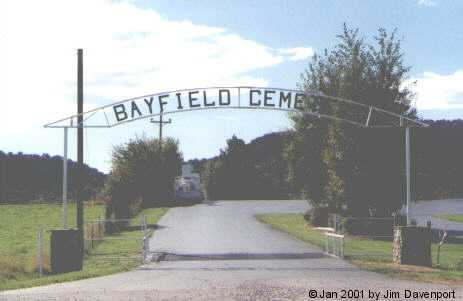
(188, 185)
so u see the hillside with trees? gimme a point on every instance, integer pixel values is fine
(30, 177)
(255, 170)
(437, 166)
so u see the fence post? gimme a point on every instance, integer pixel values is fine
(342, 248)
(100, 227)
(92, 235)
(145, 224)
(326, 243)
(144, 228)
(144, 250)
(40, 251)
(336, 247)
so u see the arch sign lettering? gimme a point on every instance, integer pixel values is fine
(246, 98)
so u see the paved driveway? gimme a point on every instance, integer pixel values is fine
(227, 228)
(225, 280)
(430, 210)
(210, 229)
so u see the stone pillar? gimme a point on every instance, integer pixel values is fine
(412, 245)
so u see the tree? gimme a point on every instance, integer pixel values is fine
(248, 171)
(142, 175)
(369, 74)
(231, 175)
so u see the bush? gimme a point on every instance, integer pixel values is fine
(317, 216)
(142, 176)
(369, 226)
(353, 226)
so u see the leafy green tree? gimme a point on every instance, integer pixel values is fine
(142, 174)
(248, 171)
(231, 175)
(369, 74)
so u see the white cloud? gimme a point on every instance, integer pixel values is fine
(438, 91)
(128, 51)
(298, 53)
(427, 3)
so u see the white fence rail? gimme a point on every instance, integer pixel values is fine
(334, 245)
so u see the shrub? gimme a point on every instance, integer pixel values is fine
(369, 226)
(354, 226)
(317, 216)
(142, 176)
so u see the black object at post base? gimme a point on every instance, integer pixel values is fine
(66, 250)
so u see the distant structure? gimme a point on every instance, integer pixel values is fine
(188, 185)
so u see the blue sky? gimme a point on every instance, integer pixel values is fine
(134, 48)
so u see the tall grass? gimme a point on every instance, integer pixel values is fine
(19, 226)
(18, 245)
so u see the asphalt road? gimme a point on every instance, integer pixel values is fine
(221, 228)
(430, 210)
(227, 228)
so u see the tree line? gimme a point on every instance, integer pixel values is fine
(437, 168)
(30, 177)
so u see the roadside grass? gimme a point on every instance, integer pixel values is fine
(452, 217)
(376, 255)
(108, 256)
(19, 225)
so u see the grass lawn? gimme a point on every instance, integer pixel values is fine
(375, 255)
(18, 247)
(452, 217)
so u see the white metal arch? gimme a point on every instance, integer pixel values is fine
(235, 98)
(239, 97)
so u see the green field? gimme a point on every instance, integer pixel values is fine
(375, 255)
(452, 217)
(18, 235)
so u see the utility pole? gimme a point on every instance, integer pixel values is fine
(407, 173)
(80, 140)
(161, 124)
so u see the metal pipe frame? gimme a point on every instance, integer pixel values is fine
(65, 179)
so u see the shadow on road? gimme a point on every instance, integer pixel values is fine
(163, 256)
(340, 269)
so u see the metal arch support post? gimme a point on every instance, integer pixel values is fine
(407, 171)
(367, 123)
(65, 179)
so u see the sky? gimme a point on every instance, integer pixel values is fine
(134, 48)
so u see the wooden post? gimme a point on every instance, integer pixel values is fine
(80, 139)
